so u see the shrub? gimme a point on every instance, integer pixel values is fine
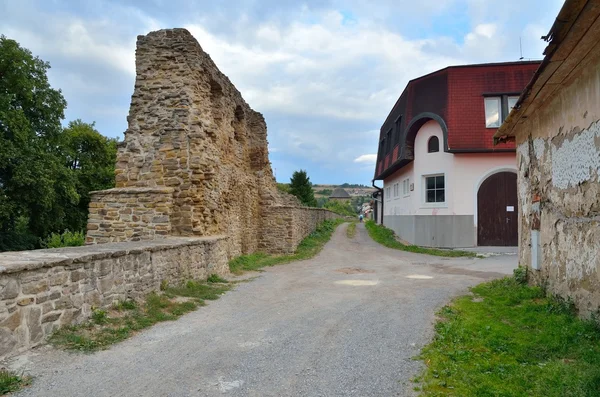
(520, 274)
(66, 239)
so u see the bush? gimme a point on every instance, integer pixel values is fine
(341, 208)
(66, 239)
(520, 275)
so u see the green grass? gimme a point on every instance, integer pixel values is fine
(308, 248)
(351, 230)
(11, 382)
(508, 339)
(107, 327)
(386, 237)
(215, 278)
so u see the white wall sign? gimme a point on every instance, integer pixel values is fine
(510, 208)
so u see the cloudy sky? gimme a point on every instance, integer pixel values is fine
(325, 74)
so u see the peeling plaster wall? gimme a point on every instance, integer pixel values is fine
(558, 154)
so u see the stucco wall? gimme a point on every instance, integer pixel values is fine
(442, 231)
(558, 153)
(464, 174)
(43, 290)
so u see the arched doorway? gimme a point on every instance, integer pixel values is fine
(497, 217)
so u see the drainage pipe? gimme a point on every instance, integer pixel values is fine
(380, 200)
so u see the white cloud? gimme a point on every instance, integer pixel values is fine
(366, 158)
(325, 76)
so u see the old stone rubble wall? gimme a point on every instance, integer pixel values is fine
(130, 214)
(284, 227)
(559, 192)
(43, 290)
(190, 130)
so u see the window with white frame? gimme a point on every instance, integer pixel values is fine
(435, 189)
(405, 187)
(388, 191)
(497, 108)
(396, 190)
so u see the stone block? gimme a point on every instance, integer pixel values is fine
(7, 342)
(51, 317)
(9, 288)
(34, 325)
(12, 322)
(34, 287)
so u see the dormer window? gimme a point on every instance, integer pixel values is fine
(433, 145)
(497, 109)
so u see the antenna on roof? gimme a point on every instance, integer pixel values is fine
(520, 48)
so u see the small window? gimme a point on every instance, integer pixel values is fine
(433, 145)
(396, 190)
(405, 187)
(492, 112)
(397, 130)
(512, 101)
(435, 191)
(388, 141)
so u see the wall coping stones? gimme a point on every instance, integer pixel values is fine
(17, 261)
(134, 190)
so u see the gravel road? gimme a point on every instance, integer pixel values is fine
(346, 323)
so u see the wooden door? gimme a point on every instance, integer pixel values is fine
(497, 215)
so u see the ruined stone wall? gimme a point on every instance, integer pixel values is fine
(558, 154)
(191, 130)
(129, 214)
(43, 290)
(192, 136)
(284, 227)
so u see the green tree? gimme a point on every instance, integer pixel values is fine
(33, 181)
(341, 207)
(301, 187)
(90, 157)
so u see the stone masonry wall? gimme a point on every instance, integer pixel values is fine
(129, 214)
(190, 130)
(558, 153)
(45, 289)
(284, 227)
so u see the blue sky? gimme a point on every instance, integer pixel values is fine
(325, 74)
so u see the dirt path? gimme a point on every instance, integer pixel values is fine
(345, 323)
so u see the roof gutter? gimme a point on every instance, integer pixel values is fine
(373, 195)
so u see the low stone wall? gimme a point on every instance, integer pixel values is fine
(129, 214)
(284, 227)
(43, 290)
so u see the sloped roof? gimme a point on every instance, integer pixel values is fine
(339, 193)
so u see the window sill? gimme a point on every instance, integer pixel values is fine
(433, 205)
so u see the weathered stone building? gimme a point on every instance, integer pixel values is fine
(194, 189)
(556, 125)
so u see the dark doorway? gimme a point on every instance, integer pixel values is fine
(497, 216)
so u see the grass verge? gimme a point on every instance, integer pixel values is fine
(308, 248)
(351, 230)
(385, 236)
(107, 327)
(508, 339)
(11, 382)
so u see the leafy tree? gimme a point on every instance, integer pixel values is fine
(46, 172)
(301, 187)
(91, 157)
(340, 207)
(33, 182)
